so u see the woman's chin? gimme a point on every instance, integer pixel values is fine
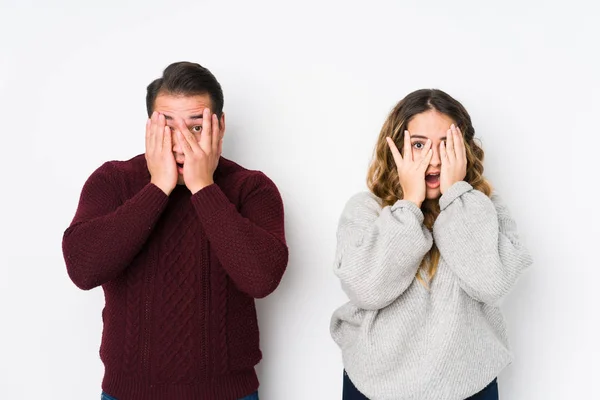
(433, 194)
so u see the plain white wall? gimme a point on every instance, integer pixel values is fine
(307, 87)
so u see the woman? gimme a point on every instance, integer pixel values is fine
(424, 258)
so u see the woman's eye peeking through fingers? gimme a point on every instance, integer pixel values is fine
(418, 145)
(197, 128)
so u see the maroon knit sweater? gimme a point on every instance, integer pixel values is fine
(180, 274)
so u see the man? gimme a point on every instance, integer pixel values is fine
(181, 240)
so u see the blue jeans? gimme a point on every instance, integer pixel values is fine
(253, 396)
(350, 392)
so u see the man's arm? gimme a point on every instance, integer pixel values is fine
(250, 244)
(107, 233)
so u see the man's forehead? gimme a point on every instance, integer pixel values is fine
(182, 105)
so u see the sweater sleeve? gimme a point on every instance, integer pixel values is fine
(249, 243)
(478, 240)
(106, 233)
(379, 250)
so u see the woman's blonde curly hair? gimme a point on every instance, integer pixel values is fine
(383, 178)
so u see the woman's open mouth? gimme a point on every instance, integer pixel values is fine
(433, 180)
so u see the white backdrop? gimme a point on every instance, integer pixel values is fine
(307, 87)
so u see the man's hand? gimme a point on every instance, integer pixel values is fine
(201, 158)
(454, 159)
(411, 170)
(159, 154)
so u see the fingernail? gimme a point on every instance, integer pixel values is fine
(452, 126)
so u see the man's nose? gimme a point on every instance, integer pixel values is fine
(176, 147)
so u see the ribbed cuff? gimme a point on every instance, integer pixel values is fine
(453, 193)
(410, 206)
(151, 198)
(210, 201)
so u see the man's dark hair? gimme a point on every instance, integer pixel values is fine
(186, 79)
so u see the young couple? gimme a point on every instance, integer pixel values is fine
(183, 240)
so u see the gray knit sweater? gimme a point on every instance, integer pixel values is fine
(401, 341)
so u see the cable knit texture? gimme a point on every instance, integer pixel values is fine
(401, 341)
(180, 274)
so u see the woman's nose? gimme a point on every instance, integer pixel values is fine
(435, 159)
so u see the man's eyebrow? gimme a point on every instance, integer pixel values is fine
(169, 118)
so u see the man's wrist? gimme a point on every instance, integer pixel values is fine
(167, 189)
(200, 185)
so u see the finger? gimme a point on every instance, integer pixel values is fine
(215, 134)
(461, 151)
(220, 150)
(426, 148)
(424, 156)
(184, 143)
(167, 143)
(205, 137)
(148, 133)
(407, 147)
(160, 131)
(179, 124)
(188, 136)
(395, 152)
(149, 126)
(152, 133)
(443, 153)
(153, 120)
(450, 142)
(426, 160)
